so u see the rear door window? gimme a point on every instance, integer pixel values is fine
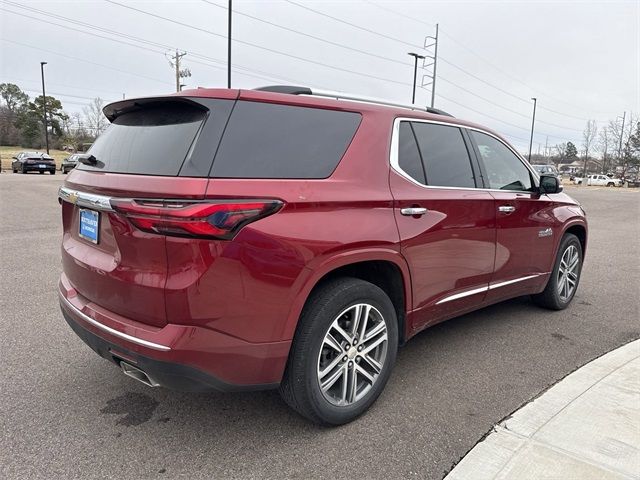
(444, 152)
(264, 140)
(154, 140)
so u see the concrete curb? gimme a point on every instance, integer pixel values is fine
(585, 427)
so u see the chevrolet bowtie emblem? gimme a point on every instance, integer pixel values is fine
(73, 197)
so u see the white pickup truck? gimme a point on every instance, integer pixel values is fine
(599, 180)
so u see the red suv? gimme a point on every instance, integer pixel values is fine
(284, 237)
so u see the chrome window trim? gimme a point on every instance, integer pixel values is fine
(394, 161)
(111, 331)
(486, 288)
(83, 199)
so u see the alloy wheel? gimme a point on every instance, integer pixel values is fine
(568, 272)
(352, 354)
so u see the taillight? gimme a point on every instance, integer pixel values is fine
(221, 220)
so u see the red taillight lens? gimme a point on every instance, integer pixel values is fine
(221, 220)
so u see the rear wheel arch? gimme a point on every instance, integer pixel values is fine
(387, 272)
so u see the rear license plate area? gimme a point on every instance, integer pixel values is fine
(89, 225)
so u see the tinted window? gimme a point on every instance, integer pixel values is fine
(154, 140)
(265, 140)
(445, 155)
(504, 169)
(408, 155)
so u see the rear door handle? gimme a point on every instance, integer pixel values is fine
(411, 211)
(506, 209)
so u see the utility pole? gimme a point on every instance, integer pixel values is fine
(185, 72)
(533, 121)
(44, 107)
(624, 115)
(415, 72)
(229, 45)
(435, 66)
(431, 42)
(546, 151)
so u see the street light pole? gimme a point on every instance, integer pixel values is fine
(44, 107)
(229, 46)
(533, 121)
(415, 72)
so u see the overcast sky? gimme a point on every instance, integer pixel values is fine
(580, 59)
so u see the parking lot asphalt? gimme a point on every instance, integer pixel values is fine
(66, 413)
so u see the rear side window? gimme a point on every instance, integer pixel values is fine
(154, 140)
(408, 155)
(265, 140)
(445, 156)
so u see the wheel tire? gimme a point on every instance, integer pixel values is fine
(300, 387)
(41, 172)
(24, 171)
(610, 184)
(550, 297)
(52, 172)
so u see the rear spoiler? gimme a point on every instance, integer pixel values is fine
(115, 109)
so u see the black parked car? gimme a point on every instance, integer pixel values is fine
(33, 162)
(69, 163)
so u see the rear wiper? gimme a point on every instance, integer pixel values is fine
(87, 159)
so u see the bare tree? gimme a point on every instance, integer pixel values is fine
(561, 149)
(96, 122)
(622, 140)
(588, 137)
(605, 144)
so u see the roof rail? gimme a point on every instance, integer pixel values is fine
(295, 90)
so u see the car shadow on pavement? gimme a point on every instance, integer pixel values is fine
(418, 362)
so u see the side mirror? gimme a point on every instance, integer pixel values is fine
(14, 157)
(550, 184)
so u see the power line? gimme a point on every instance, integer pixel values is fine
(302, 59)
(50, 15)
(485, 61)
(364, 29)
(218, 61)
(484, 114)
(80, 59)
(76, 87)
(39, 92)
(492, 102)
(443, 59)
(82, 31)
(308, 35)
(138, 39)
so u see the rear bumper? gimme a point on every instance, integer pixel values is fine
(178, 357)
(37, 169)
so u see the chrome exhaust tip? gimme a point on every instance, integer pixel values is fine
(137, 374)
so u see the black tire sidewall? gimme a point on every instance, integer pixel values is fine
(357, 292)
(568, 239)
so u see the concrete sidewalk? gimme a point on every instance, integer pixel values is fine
(586, 427)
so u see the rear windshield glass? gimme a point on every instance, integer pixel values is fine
(154, 140)
(265, 140)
